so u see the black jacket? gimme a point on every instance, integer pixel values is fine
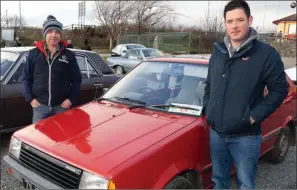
(235, 88)
(51, 83)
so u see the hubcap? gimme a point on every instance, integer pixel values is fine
(118, 70)
(284, 143)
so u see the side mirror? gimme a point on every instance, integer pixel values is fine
(139, 57)
(124, 51)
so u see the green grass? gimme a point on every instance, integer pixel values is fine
(173, 47)
(104, 57)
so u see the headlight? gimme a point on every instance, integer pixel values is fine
(15, 147)
(92, 181)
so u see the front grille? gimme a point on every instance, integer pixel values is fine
(48, 168)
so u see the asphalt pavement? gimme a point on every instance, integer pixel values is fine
(269, 176)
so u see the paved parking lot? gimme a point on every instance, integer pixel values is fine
(269, 176)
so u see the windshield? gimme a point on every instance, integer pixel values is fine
(151, 53)
(134, 46)
(7, 60)
(155, 83)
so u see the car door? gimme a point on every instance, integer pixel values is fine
(17, 111)
(271, 125)
(90, 80)
(133, 59)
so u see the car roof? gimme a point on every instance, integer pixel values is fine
(129, 44)
(142, 49)
(181, 60)
(28, 48)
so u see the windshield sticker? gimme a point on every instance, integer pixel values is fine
(184, 110)
(172, 83)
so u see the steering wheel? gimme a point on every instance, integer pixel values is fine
(146, 90)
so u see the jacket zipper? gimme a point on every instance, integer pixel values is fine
(50, 79)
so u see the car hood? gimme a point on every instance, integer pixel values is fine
(100, 132)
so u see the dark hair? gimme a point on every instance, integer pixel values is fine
(237, 4)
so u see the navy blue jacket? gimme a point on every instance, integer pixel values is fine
(234, 89)
(51, 82)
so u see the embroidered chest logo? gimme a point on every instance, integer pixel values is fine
(245, 58)
(64, 59)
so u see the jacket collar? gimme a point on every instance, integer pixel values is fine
(40, 46)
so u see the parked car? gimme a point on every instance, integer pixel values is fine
(145, 132)
(291, 72)
(121, 49)
(132, 58)
(93, 68)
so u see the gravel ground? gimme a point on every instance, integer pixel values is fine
(269, 176)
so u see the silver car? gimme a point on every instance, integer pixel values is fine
(121, 49)
(132, 58)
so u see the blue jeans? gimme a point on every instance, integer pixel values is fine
(44, 111)
(244, 151)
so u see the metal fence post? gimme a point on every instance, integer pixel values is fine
(190, 39)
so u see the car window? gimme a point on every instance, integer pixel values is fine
(82, 66)
(163, 83)
(86, 68)
(17, 77)
(134, 46)
(92, 72)
(7, 60)
(133, 54)
(127, 54)
(151, 53)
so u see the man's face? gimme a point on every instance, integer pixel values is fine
(53, 37)
(237, 24)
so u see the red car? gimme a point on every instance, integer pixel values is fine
(145, 132)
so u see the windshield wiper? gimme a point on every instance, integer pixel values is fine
(101, 98)
(129, 99)
(192, 107)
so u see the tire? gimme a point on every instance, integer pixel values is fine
(119, 70)
(180, 182)
(279, 152)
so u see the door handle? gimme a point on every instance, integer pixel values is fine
(98, 85)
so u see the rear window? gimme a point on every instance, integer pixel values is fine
(101, 64)
(134, 46)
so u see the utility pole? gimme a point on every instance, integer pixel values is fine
(20, 15)
(264, 18)
(6, 19)
(207, 24)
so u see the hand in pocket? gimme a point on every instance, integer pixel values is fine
(34, 103)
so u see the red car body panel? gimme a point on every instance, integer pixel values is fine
(139, 148)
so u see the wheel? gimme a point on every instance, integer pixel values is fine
(180, 182)
(119, 70)
(278, 153)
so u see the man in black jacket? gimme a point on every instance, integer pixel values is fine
(234, 102)
(51, 74)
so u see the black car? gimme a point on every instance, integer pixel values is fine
(15, 112)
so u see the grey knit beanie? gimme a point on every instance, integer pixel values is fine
(51, 23)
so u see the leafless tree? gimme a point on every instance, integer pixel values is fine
(12, 21)
(149, 13)
(113, 15)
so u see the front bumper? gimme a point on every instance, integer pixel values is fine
(19, 172)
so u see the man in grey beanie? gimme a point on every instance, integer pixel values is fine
(52, 77)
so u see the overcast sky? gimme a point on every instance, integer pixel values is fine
(35, 12)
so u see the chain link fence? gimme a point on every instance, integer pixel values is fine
(167, 42)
